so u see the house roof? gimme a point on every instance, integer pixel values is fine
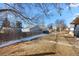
(75, 21)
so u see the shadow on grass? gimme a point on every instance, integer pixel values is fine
(42, 54)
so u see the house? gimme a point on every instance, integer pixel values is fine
(32, 29)
(25, 29)
(5, 28)
(75, 22)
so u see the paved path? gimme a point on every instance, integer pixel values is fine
(21, 40)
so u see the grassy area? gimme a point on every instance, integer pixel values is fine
(43, 46)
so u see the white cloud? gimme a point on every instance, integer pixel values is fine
(74, 5)
(76, 14)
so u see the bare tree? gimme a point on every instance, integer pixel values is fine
(60, 24)
(43, 8)
(50, 26)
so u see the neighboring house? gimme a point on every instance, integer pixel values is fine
(75, 22)
(5, 30)
(35, 29)
(8, 30)
(71, 30)
(25, 29)
(32, 29)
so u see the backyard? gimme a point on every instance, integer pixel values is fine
(37, 29)
(50, 44)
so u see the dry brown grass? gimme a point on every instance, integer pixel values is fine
(42, 46)
(28, 48)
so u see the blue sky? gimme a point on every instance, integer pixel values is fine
(67, 15)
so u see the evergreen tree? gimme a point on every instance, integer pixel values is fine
(6, 23)
(18, 26)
